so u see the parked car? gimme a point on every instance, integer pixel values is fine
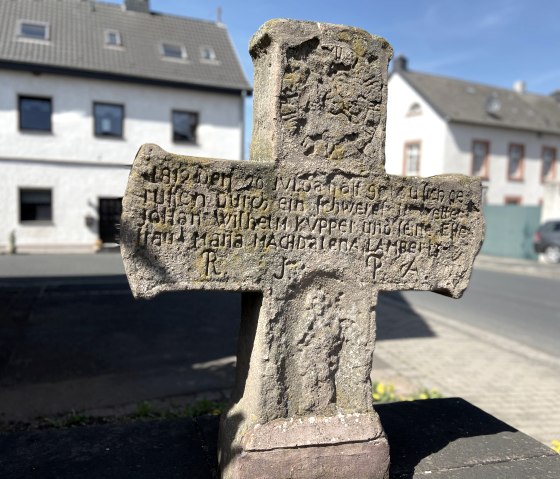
(547, 241)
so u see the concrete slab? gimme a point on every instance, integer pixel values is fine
(451, 435)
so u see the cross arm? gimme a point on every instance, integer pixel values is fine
(193, 223)
(431, 236)
(183, 219)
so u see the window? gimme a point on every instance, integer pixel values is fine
(551, 226)
(110, 210)
(480, 151)
(113, 38)
(484, 194)
(493, 104)
(548, 163)
(415, 109)
(184, 126)
(108, 119)
(512, 200)
(515, 162)
(35, 113)
(33, 30)
(412, 159)
(174, 51)
(208, 54)
(35, 205)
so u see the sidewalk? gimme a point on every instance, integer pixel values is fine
(517, 384)
(518, 266)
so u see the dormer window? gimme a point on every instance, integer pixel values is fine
(207, 54)
(113, 38)
(32, 30)
(414, 109)
(493, 104)
(173, 51)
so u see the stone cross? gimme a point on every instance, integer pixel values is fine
(310, 231)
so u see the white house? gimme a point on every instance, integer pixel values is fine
(83, 85)
(438, 125)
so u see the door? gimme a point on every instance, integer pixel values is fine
(109, 219)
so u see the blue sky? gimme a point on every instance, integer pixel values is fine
(488, 41)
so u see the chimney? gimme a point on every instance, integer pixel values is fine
(556, 95)
(519, 86)
(400, 64)
(137, 6)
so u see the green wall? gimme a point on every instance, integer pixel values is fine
(510, 229)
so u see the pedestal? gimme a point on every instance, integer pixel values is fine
(337, 447)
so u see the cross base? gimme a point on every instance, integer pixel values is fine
(336, 447)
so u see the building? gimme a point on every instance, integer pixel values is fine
(83, 85)
(438, 125)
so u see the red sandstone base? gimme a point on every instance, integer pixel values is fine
(340, 447)
(366, 460)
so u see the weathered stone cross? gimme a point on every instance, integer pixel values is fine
(309, 231)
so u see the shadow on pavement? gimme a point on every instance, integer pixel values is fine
(84, 343)
(396, 319)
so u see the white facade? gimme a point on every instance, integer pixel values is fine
(404, 127)
(447, 147)
(500, 189)
(551, 203)
(79, 167)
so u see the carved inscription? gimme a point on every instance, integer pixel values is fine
(209, 211)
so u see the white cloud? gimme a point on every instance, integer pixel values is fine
(499, 18)
(443, 61)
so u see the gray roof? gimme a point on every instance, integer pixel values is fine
(466, 102)
(77, 44)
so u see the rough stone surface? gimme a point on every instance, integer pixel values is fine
(310, 431)
(310, 231)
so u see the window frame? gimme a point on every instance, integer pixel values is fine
(35, 189)
(485, 163)
(213, 57)
(194, 141)
(407, 145)
(106, 36)
(184, 54)
(521, 167)
(513, 200)
(415, 109)
(23, 129)
(21, 37)
(106, 136)
(552, 172)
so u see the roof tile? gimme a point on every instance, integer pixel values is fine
(77, 42)
(466, 102)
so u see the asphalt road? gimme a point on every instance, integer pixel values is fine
(520, 307)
